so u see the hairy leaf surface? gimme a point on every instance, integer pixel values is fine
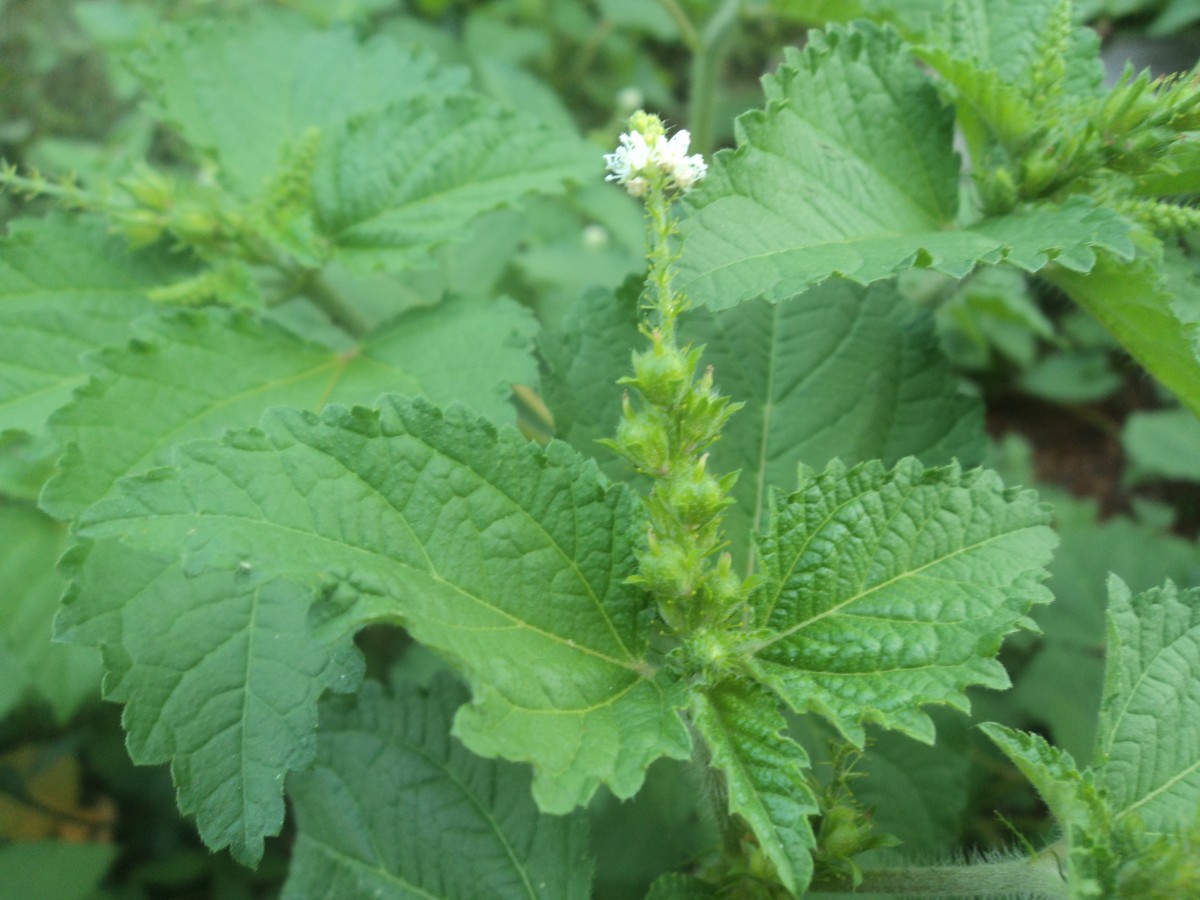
(764, 773)
(391, 185)
(66, 288)
(886, 590)
(197, 373)
(247, 91)
(850, 170)
(1149, 740)
(507, 558)
(395, 807)
(220, 674)
(839, 371)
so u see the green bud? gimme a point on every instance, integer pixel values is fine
(643, 440)
(661, 373)
(141, 226)
(844, 832)
(650, 125)
(150, 189)
(695, 495)
(669, 569)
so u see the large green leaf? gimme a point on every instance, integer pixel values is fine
(30, 589)
(851, 171)
(1149, 740)
(249, 90)
(220, 674)
(391, 185)
(1132, 300)
(886, 590)
(764, 773)
(66, 288)
(395, 807)
(837, 372)
(197, 373)
(507, 558)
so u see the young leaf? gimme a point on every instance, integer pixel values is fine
(1149, 740)
(764, 773)
(1072, 797)
(66, 288)
(851, 171)
(198, 373)
(394, 806)
(886, 590)
(507, 558)
(391, 185)
(839, 371)
(30, 666)
(249, 90)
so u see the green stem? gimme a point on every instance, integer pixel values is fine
(687, 30)
(1040, 877)
(340, 313)
(706, 62)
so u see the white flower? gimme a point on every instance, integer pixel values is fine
(644, 154)
(673, 158)
(630, 159)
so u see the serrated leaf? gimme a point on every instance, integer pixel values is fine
(764, 773)
(66, 288)
(1010, 39)
(195, 374)
(1149, 736)
(30, 589)
(1071, 795)
(247, 90)
(393, 185)
(507, 558)
(836, 372)
(220, 675)
(887, 590)
(851, 171)
(1061, 687)
(1131, 300)
(395, 807)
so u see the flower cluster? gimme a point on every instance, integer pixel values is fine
(646, 154)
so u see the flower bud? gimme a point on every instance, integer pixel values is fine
(695, 495)
(661, 373)
(642, 439)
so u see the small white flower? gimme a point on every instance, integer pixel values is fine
(642, 155)
(630, 159)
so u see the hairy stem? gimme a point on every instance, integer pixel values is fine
(1039, 877)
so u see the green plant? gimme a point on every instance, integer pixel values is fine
(255, 397)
